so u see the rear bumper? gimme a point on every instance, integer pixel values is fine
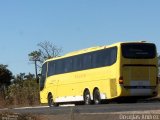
(139, 91)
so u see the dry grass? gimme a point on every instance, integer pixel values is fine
(24, 93)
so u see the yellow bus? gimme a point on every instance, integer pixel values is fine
(125, 69)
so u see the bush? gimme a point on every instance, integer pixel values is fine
(23, 92)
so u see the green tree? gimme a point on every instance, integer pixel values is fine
(5, 79)
(5, 76)
(19, 79)
(24, 91)
(35, 57)
(29, 76)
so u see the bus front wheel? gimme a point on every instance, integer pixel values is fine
(51, 102)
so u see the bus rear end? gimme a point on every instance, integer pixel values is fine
(139, 70)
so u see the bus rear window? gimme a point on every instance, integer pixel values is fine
(138, 50)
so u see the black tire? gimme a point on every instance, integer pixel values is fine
(87, 97)
(96, 97)
(51, 102)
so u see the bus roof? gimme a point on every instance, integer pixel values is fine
(91, 49)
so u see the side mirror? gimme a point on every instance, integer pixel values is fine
(38, 78)
(39, 75)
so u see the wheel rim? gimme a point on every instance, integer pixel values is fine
(87, 99)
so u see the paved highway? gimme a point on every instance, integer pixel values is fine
(104, 108)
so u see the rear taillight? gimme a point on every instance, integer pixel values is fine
(121, 80)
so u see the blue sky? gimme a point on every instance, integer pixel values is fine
(72, 25)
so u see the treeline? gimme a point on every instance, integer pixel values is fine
(22, 91)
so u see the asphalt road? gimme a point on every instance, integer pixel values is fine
(104, 108)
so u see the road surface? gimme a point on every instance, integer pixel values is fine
(88, 109)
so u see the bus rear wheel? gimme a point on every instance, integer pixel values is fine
(51, 102)
(96, 97)
(87, 97)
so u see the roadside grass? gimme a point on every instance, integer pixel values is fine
(23, 93)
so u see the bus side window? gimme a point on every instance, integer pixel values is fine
(77, 63)
(59, 66)
(51, 68)
(109, 56)
(113, 56)
(98, 59)
(104, 57)
(68, 65)
(87, 61)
